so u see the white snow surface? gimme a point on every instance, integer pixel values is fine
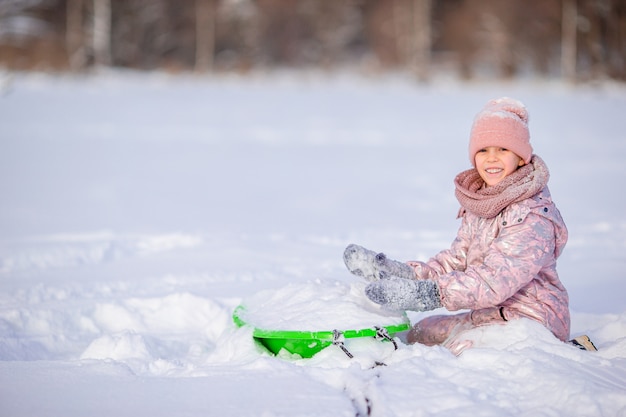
(316, 306)
(138, 210)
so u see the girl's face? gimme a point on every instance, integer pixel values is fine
(494, 164)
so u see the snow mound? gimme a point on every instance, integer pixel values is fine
(119, 347)
(316, 306)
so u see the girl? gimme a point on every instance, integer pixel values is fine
(502, 264)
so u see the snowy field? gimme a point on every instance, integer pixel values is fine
(138, 210)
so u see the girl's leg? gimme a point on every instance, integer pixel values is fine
(435, 330)
(448, 331)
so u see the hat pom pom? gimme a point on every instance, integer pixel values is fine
(509, 105)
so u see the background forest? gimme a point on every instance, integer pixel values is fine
(578, 40)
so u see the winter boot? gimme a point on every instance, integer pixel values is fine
(584, 343)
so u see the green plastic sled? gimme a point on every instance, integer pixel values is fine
(306, 343)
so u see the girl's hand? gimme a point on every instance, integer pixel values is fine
(404, 294)
(374, 266)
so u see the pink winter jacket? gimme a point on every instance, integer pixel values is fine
(507, 261)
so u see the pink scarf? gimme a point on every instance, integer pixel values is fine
(487, 202)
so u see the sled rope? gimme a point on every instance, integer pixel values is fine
(383, 334)
(338, 340)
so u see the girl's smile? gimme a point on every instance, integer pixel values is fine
(495, 163)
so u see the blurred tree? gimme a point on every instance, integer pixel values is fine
(74, 35)
(279, 31)
(102, 32)
(457, 35)
(24, 34)
(582, 39)
(540, 35)
(602, 29)
(568, 39)
(333, 28)
(420, 56)
(205, 34)
(238, 36)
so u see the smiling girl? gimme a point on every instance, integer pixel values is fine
(502, 264)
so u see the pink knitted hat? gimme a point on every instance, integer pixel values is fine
(502, 122)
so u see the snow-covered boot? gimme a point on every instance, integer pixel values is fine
(374, 266)
(584, 343)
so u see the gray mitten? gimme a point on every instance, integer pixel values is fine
(404, 294)
(374, 266)
(389, 268)
(360, 262)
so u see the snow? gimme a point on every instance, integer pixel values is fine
(138, 210)
(313, 306)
